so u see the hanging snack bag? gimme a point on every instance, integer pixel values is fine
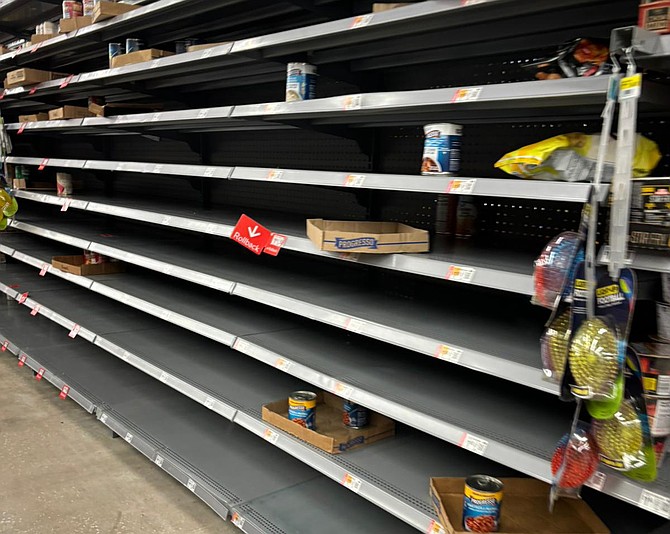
(580, 57)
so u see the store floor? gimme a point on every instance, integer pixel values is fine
(61, 472)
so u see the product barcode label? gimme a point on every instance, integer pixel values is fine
(128, 437)
(352, 102)
(283, 364)
(159, 460)
(655, 503)
(351, 482)
(361, 21)
(270, 435)
(75, 330)
(209, 402)
(597, 481)
(275, 175)
(191, 484)
(663, 385)
(354, 180)
(630, 87)
(343, 390)
(237, 520)
(435, 528)
(467, 94)
(474, 444)
(355, 325)
(460, 274)
(449, 354)
(462, 186)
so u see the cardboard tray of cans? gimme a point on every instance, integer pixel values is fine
(76, 265)
(139, 57)
(330, 434)
(524, 509)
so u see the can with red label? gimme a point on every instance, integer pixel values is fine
(72, 9)
(302, 408)
(354, 415)
(481, 503)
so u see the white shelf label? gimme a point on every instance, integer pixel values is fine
(158, 168)
(352, 102)
(663, 385)
(283, 364)
(460, 274)
(246, 44)
(191, 485)
(156, 117)
(467, 94)
(206, 53)
(125, 356)
(275, 175)
(462, 186)
(655, 503)
(66, 204)
(202, 114)
(351, 482)
(597, 481)
(75, 330)
(355, 325)
(436, 528)
(209, 172)
(45, 269)
(237, 520)
(448, 354)
(159, 460)
(35, 310)
(155, 63)
(343, 390)
(354, 180)
(361, 21)
(163, 377)
(166, 220)
(103, 418)
(474, 444)
(209, 402)
(270, 435)
(129, 437)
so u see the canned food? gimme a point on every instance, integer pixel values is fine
(481, 503)
(302, 408)
(115, 49)
(466, 217)
(93, 258)
(72, 9)
(63, 184)
(300, 82)
(88, 7)
(134, 45)
(441, 149)
(354, 415)
(180, 47)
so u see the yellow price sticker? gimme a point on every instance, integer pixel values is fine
(630, 87)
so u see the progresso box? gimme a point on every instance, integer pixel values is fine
(366, 237)
(650, 214)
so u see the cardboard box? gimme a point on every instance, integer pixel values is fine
(195, 48)
(69, 112)
(330, 435)
(655, 16)
(107, 10)
(22, 77)
(38, 38)
(366, 237)
(70, 25)
(378, 7)
(119, 108)
(139, 57)
(34, 117)
(524, 509)
(19, 183)
(75, 265)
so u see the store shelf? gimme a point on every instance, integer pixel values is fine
(505, 271)
(184, 355)
(646, 260)
(221, 463)
(19, 17)
(489, 187)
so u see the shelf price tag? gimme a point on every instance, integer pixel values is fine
(40, 374)
(274, 175)
(66, 82)
(597, 481)
(352, 102)
(163, 377)
(36, 47)
(354, 180)
(3, 94)
(655, 503)
(4, 346)
(209, 402)
(156, 117)
(209, 172)
(462, 186)
(33, 90)
(460, 274)
(103, 418)
(125, 356)
(206, 53)
(448, 354)
(22, 360)
(352, 482)
(129, 437)
(355, 325)
(283, 364)
(361, 21)
(277, 241)
(65, 390)
(270, 435)
(157, 168)
(472, 2)
(202, 114)
(237, 520)
(21, 128)
(466, 94)
(630, 87)
(23, 297)
(44, 269)
(35, 310)
(342, 390)
(435, 528)
(191, 485)
(66, 204)
(75, 330)
(159, 460)
(474, 444)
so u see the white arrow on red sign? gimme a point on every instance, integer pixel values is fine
(251, 235)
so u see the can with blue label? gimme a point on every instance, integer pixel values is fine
(115, 49)
(300, 82)
(302, 408)
(442, 149)
(354, 415)
(481, 503)
(134, 45)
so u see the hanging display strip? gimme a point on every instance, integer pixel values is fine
(479, 443)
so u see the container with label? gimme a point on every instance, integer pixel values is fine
(658, 411)
(88, 7)
(134, 45)
(302, 408)
(481, 503)
(72, 10)
(354, 415)
(115, 49)
(445, 214)
(441, 149)
(466, 217)
(300, 82)
(63, 184)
